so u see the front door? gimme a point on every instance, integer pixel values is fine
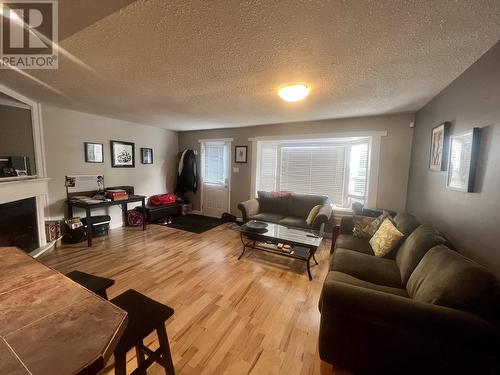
(216, 161)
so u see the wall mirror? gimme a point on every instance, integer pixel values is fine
(17, 148)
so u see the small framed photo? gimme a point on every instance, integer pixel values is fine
(439, 147)
(240, 154)
(94, 152)
(146, 155)
(122, 154)
(462, 160)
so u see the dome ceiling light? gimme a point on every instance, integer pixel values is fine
(294, 93)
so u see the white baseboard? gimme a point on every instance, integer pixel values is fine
(196, 212)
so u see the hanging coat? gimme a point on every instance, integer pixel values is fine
(187, 177)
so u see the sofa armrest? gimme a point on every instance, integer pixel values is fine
(368, 331)
(405, 315)
(346, 224)
(249, 208)
(323, 216)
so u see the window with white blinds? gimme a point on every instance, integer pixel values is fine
(337, 168)
(358, 171)
(214, 167)
(268, 166)
(313, 170)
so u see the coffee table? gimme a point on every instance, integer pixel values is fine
(303, 243)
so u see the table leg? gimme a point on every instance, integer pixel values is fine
(70, 210)
(314, 252)
(89, 227)
(309, 267)
(143, 214)
(124, 214)
(244, 246)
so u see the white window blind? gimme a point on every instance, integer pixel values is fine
(358, 171)
(314, 170)
(336, 168)
(268, 166)
(214, 168)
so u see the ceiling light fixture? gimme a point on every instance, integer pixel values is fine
(294, 93)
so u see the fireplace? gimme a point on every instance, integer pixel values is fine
(18, 224)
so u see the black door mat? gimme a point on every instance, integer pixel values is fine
(192, 223)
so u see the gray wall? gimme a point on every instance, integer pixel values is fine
(394, 154)
(65, 132)
(17, 133)
(469, 220)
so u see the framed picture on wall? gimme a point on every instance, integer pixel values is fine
(240, 154)
(439, 147)
(146, 155)
(94, 152)
(122, 154)
(462, 160)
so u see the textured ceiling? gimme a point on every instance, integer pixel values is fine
(189, 65)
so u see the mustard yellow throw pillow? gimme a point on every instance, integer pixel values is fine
(312, 214)
(385, 238)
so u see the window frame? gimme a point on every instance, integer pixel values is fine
(373, 139)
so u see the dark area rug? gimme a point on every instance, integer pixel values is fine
(193, 223)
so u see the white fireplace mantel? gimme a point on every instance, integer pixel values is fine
(11, 191)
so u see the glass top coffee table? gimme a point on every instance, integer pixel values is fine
(299, 243)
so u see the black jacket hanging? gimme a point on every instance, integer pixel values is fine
(187, 179)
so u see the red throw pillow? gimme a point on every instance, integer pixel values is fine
(281, 193)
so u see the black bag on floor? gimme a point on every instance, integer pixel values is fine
(75, 235)
(228, 218)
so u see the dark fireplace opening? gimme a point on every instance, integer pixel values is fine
(18, 224)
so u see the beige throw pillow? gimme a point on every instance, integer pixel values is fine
(385, 239)
(361, 225)
(312, 214)
(375, 224)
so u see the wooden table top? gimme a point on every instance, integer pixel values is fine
(48, 323)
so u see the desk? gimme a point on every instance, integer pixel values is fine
(89, 207)
(49, 324)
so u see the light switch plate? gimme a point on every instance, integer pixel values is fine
(236, 170)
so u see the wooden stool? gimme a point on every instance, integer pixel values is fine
(144, 316)
(96, 284)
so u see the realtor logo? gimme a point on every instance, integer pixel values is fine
(29, 34)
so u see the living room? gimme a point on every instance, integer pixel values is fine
(248, 187)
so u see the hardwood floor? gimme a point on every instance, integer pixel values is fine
(258, 315)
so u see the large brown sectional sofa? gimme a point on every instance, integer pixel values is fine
(290, 210)
(424, 308)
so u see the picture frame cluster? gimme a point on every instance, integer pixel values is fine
(122, 154)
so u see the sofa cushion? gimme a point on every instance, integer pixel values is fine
(267, 216)
(290, 221)
(366, 267)
(348, 241)
(406, 223)
(385, 239)
(273, 203)
(299, 205)
(348, 279)
(414, 248)
(446, 278)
